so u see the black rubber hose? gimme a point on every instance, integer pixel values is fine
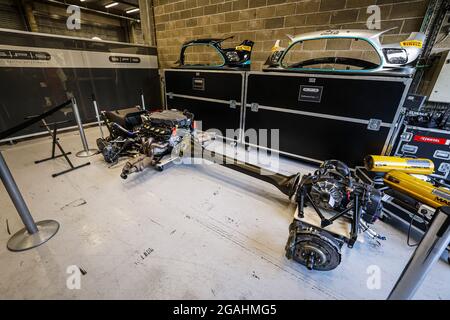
(31, 121)
(130, 134)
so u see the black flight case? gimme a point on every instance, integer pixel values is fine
(215, 97)
(327, 116)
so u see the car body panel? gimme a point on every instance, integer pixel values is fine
(233, 58)
(410, 50)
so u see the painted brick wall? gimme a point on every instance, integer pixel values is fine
(265, 21)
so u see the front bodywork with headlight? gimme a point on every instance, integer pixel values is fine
(330, 53)
(238, 57)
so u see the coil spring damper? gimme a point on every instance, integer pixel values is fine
(314, 248)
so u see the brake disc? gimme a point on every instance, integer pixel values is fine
(314, 248)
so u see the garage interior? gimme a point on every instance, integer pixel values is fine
(127, 215)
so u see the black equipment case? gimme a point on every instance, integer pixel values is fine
(325, 116)
(433, 144)
(319, 116)
(215, 97)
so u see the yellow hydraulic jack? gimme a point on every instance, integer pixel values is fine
(399, 176)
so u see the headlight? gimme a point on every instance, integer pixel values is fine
(396, 56)
(232, 56)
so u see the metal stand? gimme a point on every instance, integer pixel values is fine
(97, 114)
(55, 143)
(430, 248)
(34, 234)
(86, 152)
(143, 102)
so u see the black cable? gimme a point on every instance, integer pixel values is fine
(410, 228)
(32, 121)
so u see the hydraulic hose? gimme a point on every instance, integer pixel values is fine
(130, 134)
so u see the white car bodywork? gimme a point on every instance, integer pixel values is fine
(392, 56)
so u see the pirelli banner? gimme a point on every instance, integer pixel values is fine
(39, 71)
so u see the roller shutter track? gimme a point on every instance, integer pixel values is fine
(9, 16)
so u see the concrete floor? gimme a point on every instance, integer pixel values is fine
(190, 232)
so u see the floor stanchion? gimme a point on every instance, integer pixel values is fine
(430, 248)
(97, 114)
(86, 152)
(143, 102)
(34, 234)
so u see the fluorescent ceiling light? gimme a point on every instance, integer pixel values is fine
(132, 10)
(112, 4)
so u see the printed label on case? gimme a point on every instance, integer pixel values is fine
(409, 148)
(310, 93)
(432, 140)
(441, 154)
